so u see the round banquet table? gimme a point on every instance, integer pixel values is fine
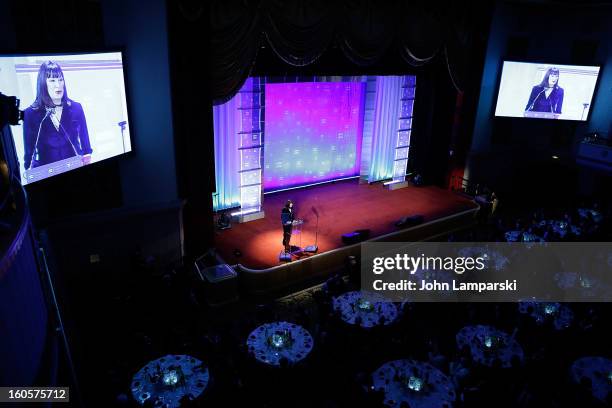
(513, 236)
(418, 384)
(367, 310)
(488, 345)
(583, 286)
(519, 236)
(494, 259)
(561, 228)
(271, 342)
(595, 215)
(560, 315)
(596, 369)
(168, 379)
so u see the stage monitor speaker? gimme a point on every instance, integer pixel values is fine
(355, 236)
(410, 221)
(350, 238)
(363, 233)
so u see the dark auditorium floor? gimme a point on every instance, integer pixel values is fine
(122, 319)
(343, 206)
(144, 319)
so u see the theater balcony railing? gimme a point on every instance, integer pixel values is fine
(595, 153)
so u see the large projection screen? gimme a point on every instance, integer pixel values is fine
(313, 132)
(75, 110)
(546, 91)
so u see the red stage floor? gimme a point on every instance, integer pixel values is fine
(343, 206)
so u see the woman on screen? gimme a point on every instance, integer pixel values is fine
(548, 95)
(54, 127)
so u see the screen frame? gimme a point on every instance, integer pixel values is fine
(530, 61)
(128, 103)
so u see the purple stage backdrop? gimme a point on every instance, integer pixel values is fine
(313, 132)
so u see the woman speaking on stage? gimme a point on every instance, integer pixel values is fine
(287, 218)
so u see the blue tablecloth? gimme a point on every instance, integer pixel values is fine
(519, 236)
(585, 286)
(560, 315)
(168, 379)
(493, 259)
(598, 370)
(419, 384)
(561, 228)
(596, 215)
(487, 344)
(370, 312)
(513, 236)
(272, 341)
(428, 275)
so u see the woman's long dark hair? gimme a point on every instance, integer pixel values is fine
(47, 70)
(549, 72)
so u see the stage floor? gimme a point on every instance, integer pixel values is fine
(343, 206)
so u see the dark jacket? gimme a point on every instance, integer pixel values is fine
(44, 144)
(286, 215)
(538, 102)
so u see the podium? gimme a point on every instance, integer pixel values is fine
(296, 237)
(541, 115)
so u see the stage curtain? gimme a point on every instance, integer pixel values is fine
(458, 39)
(367, 29)
(384, 134)
(421, 34)
(226, 121)
(300, 31)
(236, 38)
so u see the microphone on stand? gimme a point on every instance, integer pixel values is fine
(584, 108)
(314, 248)
(122, 125)
(49, 112)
